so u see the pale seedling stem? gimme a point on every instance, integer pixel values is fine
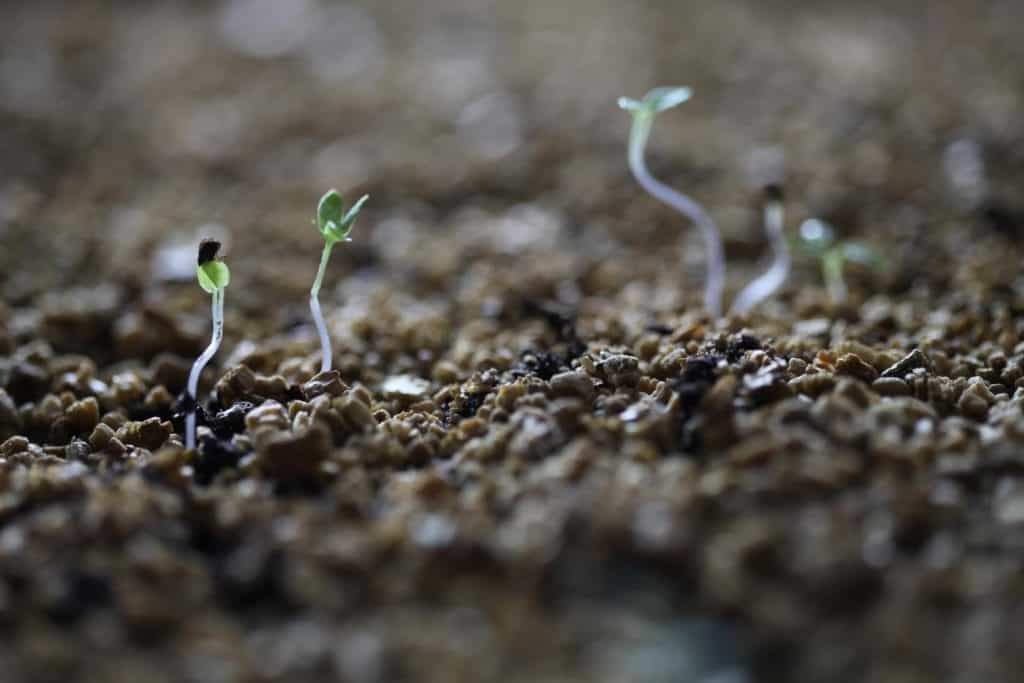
(643, 113)
(765, 284)
(335, 226)
(314, 307)
(214, 277)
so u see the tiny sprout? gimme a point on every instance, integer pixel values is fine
(335, 225)
(818, 239)
(214, 276)
(764, 285)
(643, 112)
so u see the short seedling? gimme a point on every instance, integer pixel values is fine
(213, 276)
(818, 239)
(335, 225)
(764, 285)
(643, 112)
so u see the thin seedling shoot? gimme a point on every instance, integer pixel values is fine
(763, 286)
(214, 276)
(335, 225)
(643, 112)
(818, 239)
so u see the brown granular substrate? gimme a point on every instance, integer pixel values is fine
(536, 458)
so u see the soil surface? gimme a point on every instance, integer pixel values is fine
(537, 459)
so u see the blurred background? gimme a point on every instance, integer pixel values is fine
(126, 127)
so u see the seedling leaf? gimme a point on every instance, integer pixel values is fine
(657, 100)
(353, 213)
(629, 104)
(213, 275)
(660, 99)
(329, 210)
(333, 225)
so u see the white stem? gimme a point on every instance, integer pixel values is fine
(197, 367)
(318, 316)
(321, 328)
(684, 205)
(765, 284)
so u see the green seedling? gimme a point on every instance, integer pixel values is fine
(643, 113)
(335, 224)
(764, 285)
(818, 239)
(214, 277)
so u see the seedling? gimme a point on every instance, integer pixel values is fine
(335, 225)
(765, 284)
(643, 112)
(818, 239)
(214, 276)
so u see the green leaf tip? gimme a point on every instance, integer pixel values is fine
(331, 219)
(656, 101)
(629, 104)
(213, 275)
(329, 209)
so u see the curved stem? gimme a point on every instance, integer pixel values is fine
(684, 205)
(314, 307)
(204, 358)
(763, 286)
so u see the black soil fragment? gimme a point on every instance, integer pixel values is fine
(562, 320)
(215, 455)
(914, 360)
(183, 405)
(224, 423)
(540, 363)
(466, 405)
(738, 344)
(230, 421)
(698, 377)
